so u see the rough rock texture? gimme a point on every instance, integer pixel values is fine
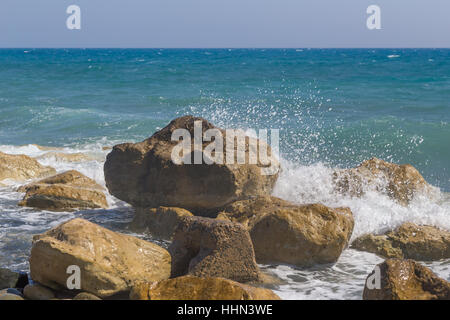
(207, 247)
(195, 288)
(22, 168)
(64, 192)
(406, 280)
(408, 241)
(378, 244)
(400, 182)
(109, 262)
(144, 175)
(160, 222)
(37, 292)
(283, 232)
(86, 296)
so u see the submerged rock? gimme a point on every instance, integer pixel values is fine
(22, 168)
(64, 192)
(283, 232)
(207, 247)
(67, 157)
(405, 280)
(399, 182)
(196, 288)
(109, 262)
(160, 222)
(144, 175)
(409, 241)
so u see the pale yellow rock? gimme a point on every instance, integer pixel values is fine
(22, 168)
(109, 262)
(64, 192)
(195, 288)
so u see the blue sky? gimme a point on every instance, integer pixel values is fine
(224, 23)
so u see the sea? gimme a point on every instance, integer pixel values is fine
(334, 108)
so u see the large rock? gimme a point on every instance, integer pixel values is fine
(400, 182)
(144, 175)
(22, 168)
(409, 241)
(160, 222)
(207, 247)
(283, 232)
(195, 288)
(109, 262)
(405, 280)
(64, 192)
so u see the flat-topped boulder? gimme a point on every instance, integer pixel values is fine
(22, 168)
(409, 241)
(159, 222)
(152, 173)
(405, 280)
(109, 262)
(196, 288)
(283, 232)
(399, 182)
(206, 247)
(66, 191)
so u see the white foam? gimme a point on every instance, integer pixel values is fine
(373, 212)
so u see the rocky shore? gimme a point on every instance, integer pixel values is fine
(221, 221)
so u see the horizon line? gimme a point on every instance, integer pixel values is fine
(226, 48)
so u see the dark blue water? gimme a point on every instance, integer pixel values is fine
(338, 107)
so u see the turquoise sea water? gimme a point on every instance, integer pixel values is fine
(334, 108)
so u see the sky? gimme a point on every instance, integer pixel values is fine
(224, 24)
